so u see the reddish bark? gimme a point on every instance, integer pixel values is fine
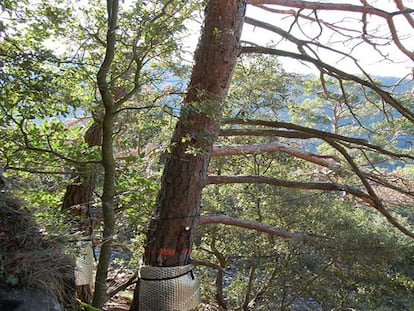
(78, 197)
(170, 234)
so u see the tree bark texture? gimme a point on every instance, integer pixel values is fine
(170, 233)
(78, 197)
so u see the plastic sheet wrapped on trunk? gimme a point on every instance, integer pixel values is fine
(168, 288)
(84, 263)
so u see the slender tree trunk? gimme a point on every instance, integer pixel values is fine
(108, 206)
(108, 160)
(223, 261)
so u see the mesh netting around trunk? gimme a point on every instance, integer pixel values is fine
(168, 288)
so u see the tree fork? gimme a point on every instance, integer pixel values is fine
(175, 218)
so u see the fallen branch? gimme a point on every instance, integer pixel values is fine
(132, 280)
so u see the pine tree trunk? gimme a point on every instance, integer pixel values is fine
(171, 230)
(176, 215)
(175, 218)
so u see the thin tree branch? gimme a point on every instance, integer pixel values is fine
(259, 132)
(38, 171)
(132, 280)
(318, 134)
(266, 286)
(137, 108)
(136, 86)
(29, 146)
(384, 183)
(376, 201)
(331, 70)
(323, 160)
(401, 7)
(301, 43)
(245, 305)
(313, 5)
(257, 226)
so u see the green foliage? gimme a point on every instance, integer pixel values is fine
(50, 53)
(358, 263)
(355, 268)
(262, 98)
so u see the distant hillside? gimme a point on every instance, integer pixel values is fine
(403, 140)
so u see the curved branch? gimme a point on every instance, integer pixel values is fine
(136, 108)
(257, 226)
(299, 42)
(330, 7)
(377, 203)
(132, 280)
(302, 43)
(293, 134)
(396, 39)
(30, 147)
(259, 132)
(331, 70)
(136, 86)
(401, 7)
(103, 72)
(386, 184)
(371, 198)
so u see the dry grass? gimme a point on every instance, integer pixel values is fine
(28, 259)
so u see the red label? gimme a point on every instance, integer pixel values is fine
(168, 252)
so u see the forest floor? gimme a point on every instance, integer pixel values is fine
(122, 300)
(118, 303)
